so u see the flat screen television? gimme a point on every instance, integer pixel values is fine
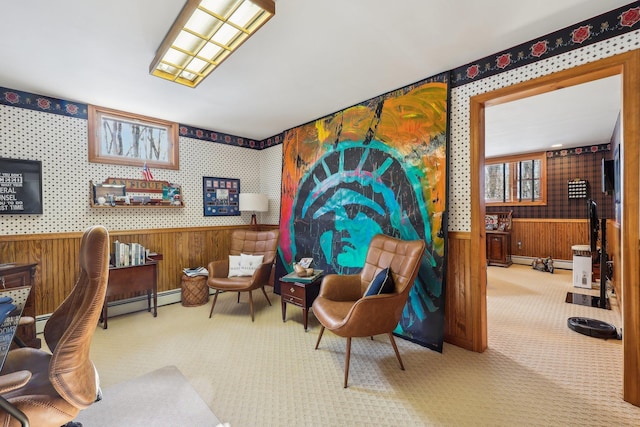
(20, 187)
(608, 180)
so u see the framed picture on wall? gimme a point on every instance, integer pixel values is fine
(123, 138)
(220, 196)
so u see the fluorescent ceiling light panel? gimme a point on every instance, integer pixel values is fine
(204, 34)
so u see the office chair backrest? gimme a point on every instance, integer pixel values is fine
(69, 330)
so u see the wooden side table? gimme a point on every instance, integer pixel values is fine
(129, 279)
(299, 291)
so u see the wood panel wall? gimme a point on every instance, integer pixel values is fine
(57, 259)
(458, 308)
(58, 266)
(548, 237)
(56, 256)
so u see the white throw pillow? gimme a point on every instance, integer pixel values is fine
(234, 266)
(250, 263)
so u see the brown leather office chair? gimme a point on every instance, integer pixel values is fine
(250, 243)
(51, 389)
(342, 307)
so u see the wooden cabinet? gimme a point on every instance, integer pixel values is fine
(499, 248)
(13, 276)
(498, 225)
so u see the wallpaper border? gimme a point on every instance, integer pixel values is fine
(602, 27)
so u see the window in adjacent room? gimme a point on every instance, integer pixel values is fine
(516, 180)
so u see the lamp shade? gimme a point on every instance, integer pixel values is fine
(254, 202)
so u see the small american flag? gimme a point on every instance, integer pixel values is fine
(146, 173)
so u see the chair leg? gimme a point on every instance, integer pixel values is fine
(319, 336)
(251, 304)
(395, 348)
(265, 294)
(238, 297)
(346, 362)
(213, 304)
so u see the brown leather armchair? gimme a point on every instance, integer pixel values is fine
(52, 388)
(250, 243)
(342, 307)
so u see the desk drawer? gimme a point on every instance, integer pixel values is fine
(15, 280)
(292, 294)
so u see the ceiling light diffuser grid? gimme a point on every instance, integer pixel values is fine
(205, 33)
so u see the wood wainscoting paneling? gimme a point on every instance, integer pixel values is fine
(58, 266)
(541, 238)
(458, 317)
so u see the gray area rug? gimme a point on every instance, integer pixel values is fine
(163, 397)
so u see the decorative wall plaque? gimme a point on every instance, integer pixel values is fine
(577, 189)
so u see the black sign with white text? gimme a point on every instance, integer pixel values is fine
(20, 186)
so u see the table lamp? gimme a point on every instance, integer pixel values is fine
(254, 202)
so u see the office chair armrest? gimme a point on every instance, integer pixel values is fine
(26, 320)
(341, 287)
(14, 380)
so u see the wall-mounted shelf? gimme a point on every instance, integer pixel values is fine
(135, 206)
(116, 193)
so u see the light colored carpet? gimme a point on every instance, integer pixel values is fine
(267, 373)
(161, 398)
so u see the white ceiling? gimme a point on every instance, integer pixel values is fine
(574, 116)
(313, 58)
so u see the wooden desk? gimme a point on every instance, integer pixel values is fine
(12, 310)
(19, 296)
(132, 278)
(14, 275)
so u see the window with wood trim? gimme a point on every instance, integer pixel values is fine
(516, 180)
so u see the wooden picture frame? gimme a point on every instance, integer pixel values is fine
(121, 138)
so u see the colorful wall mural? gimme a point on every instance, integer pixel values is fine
(377, 167)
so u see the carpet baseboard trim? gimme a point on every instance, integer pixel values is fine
(125, 306)
(562, 264)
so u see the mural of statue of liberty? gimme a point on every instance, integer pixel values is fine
(354, 192)
(375, 167)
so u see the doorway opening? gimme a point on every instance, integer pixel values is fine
(628, 67)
